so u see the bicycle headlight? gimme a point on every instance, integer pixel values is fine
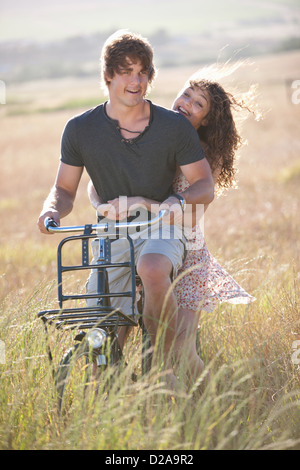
(96, 338)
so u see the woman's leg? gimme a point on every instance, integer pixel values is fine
(186, 355)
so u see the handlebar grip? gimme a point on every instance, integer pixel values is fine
(50, 223)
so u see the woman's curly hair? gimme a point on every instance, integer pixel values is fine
(220, 136)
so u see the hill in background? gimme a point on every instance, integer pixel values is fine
(65, 38)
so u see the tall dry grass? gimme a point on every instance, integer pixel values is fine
(252, 398)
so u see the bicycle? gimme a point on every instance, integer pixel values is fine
(96, 327)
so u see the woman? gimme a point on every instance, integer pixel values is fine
(202, 282)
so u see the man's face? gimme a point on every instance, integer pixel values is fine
(129, 86)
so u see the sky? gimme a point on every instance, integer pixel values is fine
(44, 20)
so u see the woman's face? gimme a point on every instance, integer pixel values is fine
(193, 103)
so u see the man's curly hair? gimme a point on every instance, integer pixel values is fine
(122, 46)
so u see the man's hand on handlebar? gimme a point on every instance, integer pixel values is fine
(52, 214)
(174, 213)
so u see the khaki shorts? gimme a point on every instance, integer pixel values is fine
(120, 278)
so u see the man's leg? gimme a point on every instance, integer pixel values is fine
(160, 311)
(160, 306)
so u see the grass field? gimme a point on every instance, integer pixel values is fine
(252, 400)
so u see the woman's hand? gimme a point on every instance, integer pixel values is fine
(120, 208)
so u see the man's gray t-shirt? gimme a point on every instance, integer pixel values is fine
(144, 166)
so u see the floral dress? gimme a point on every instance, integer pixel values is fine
(202, 283)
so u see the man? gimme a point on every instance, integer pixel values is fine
(131, 147)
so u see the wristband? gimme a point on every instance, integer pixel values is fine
(181, 200)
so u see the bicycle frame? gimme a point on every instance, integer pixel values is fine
(102, 315)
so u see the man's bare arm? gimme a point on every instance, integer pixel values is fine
(59, 202)
(199, 176)
(200, 192)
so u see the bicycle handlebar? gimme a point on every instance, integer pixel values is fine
(52, 226)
